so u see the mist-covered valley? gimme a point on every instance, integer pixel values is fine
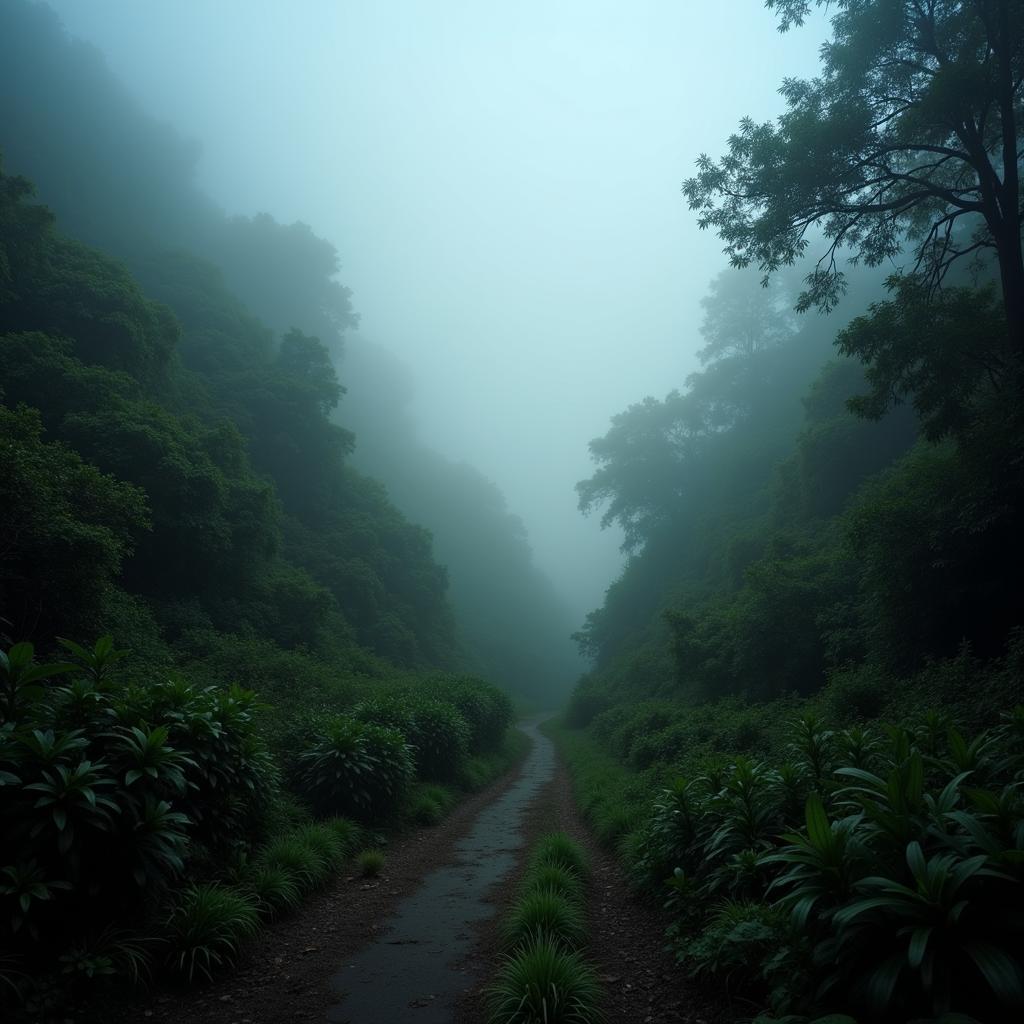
(378, 381)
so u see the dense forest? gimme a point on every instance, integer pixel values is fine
(237, 286)
(252, 627)
(804, 707)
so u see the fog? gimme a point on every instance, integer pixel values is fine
(502, 183)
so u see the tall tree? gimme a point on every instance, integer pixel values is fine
(910, 135)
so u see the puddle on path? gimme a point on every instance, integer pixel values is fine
(408, 974)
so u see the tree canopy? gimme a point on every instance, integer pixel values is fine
(909, 136)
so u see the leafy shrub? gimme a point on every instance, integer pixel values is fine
(370, 863)
(112, 789)
(872, 869)
(440, 738)
(487, 710)
(207, 928)
(749, 946)
(544, 983)
(356, 769)
(544, 913)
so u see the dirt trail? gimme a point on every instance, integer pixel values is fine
(642, 982)
(412, 971)
(419, 944)
(287, 974)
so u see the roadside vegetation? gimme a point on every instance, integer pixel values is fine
(544, 977)
(802, 727)
(151, 826)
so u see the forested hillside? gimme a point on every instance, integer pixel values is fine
(237, 285)
(226, 657)
(802, 723)
(260, 643)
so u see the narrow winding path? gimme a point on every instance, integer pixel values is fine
(419, 944)
(413, 970)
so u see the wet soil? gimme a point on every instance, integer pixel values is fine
(642, 983)
(412, 971)
(287, 973)
(420, 943)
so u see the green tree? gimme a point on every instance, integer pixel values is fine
(909, 135)
(741, 318)
(65, 530)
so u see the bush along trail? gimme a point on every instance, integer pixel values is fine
(153, 838)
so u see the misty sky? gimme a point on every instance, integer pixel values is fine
(502, 183)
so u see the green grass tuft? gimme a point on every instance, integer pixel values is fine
(544, 983)
(370, 863)
(207, 928)
(350, 834)
(273, 887)
(296, 857)
(545, 913)
(558, 849)
(554, 878)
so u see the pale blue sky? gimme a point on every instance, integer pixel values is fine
(502, 182)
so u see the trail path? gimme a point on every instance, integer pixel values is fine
(412, 971)
(419, 944)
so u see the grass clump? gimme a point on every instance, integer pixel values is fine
(272, 887)
(559, 850)
(325, 845)
(547, 914)
(554, 878)
(429, 803)
(370, 863)
(349, 834)
(207, 928)
(297, 858)
(544, 983)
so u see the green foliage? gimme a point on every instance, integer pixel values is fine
(349, 834)
(273, 887)
(864, 868)
(207, 928)
(356, 768)
(112, 792)
(875, 150)
(750, 947)
(558, 850)
(543, 914)
(370, 863)
(301, 861)
(68, 529)
(428, 803)
(553, 878)
(487, 710)
(436, 731)
(543, 983)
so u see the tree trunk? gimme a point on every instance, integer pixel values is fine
(1011, 273)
